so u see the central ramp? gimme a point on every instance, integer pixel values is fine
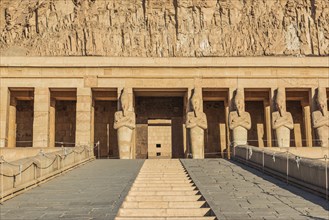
(164, 190)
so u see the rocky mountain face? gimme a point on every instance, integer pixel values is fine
(164, 28)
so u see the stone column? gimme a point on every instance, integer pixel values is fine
(52, 118)
(4, 104)
(196, 122)
(239, 119)
(228, 105)
(41, 117)
(125, 123)
(12, 123)
(83, 135)
(267, 110)
(187, 147)
(307, 123)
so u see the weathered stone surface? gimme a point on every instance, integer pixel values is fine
(196, 121)
(125, 123)
(240, 121)
(150, 28)
(321, 118)
(282, 121)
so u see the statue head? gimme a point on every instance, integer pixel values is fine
(9, 12)
(322, 100)
(281, 100)
(125, 101)
(196, 101)
(239, 101)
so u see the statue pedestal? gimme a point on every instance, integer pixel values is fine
(283, 136)
(197, 142)
(124, 142)
(240, 136)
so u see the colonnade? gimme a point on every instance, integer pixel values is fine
(44, 112)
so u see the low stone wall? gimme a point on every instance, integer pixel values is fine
(17, 153)
(22, 174)
(308, 173)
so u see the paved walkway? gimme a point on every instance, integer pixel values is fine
(97, 190)
(238, 192)
(93, 191)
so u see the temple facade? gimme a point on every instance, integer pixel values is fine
(164, 79)
(164, 107)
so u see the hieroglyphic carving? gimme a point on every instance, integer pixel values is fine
(196, 121)
(321, 118)
(125, 123)
(282, 121)
(170, 28)
(239, 120)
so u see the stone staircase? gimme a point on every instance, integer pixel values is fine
(164, 190)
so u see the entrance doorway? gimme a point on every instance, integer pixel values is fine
(159, 138)
(159, 124)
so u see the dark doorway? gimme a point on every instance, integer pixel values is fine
(215, 111)
(159, 108)
(65, 123)
(104, 131)
(24, 123)
(257, 132)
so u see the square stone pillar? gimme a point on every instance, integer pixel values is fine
(12, 123)
(4, 107)
(186, 133)
(84, 125)
(52, 119)
(228, 108)
(268, 122)
(41, 117)
(307, 123)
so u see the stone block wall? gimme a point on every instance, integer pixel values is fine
(159, 139)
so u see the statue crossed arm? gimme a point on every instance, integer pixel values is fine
(285, 120)
(128, 120)
(193, 121)
(320, 120)
(243, 120)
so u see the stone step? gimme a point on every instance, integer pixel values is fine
(196, 212)
(162, 174)
(148, 184)
(164, 190)
(163, 193)
(165, 218)
(163, 181)
(165, 205)
(190, 198)
(173, 188)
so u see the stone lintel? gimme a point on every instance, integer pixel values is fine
(82, 62)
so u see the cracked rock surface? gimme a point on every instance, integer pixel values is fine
(167, 28)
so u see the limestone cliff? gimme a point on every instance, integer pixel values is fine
(164, 28)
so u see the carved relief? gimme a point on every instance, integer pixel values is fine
(321, 118)
(169, 28)
(282, 121)
(196, 121)
(239, 120)
(125, 123)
